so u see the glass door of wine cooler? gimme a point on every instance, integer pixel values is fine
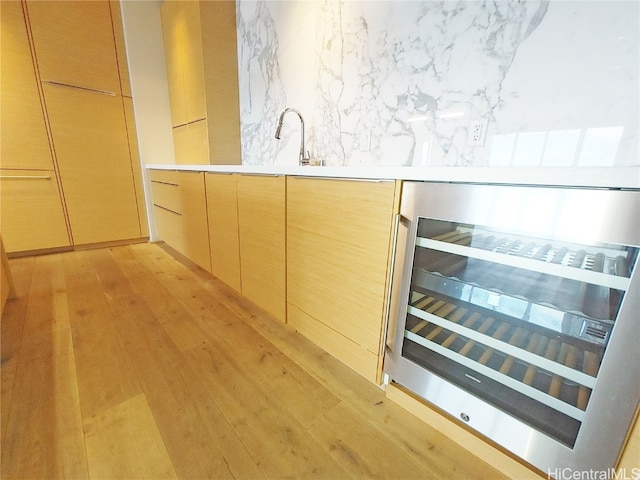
(514, 317)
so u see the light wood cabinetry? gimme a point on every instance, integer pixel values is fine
(24, 134)
(339, 236)
(262, 220)
(31, 206)
(180, 210)
(90, 139)
(74, 41)
(201, 58)
(66, 121)
(32, 213)
(6, 282)
(220, 56)
(121, 48)
(190, 143)
(135, 165)
(631, 453)
(222, 210)
(183, 55)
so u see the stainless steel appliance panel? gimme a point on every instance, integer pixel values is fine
(560, 389)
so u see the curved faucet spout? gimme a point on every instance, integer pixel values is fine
(303, 159)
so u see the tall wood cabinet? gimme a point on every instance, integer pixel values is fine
(32, 213)
(339, 237)
(201, 57)
(70, 170)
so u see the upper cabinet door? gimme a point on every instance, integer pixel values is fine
(192, 62)
(75, 43)
(172, 31)
(24, 143)
(183, 53)
(121, 48)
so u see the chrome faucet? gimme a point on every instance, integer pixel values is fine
(302, 159)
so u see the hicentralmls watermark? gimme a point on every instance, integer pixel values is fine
(608, 474)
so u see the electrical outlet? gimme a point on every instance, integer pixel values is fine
(477, 133)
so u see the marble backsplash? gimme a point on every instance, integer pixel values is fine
(441, 83)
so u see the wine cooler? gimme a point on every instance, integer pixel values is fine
(520, 315)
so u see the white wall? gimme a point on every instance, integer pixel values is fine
(403, 82)
(147, 70)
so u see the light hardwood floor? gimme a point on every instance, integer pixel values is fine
(129, 363)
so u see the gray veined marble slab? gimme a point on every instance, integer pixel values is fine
(404, 83)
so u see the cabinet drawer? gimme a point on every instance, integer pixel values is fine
(169, 227)
(167, 194)
(181, 213)
(32, 213)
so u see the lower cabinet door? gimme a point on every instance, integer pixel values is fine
(339, 235)
(222, 209)
(195, 230)
(32, 213)
(90, 139)
(261, 217)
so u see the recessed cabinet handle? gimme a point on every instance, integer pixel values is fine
(94, 90)
(25, 177)
(392, 266)
(343, 179)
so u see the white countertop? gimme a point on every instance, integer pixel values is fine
(615, 177)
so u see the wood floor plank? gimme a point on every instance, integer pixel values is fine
(124, 443)
(45, 436)
(114, 283)
(22, 274)
(11, 329)
(428, 445)
(11, 333)
(165, 372)
(105, 377)
(200, 441)
(282, 447)
(166, 307)
(362, 450)
(263, 362)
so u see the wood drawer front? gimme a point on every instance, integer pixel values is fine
(169, 227)
(167, 195)
(31, 211)
(338, 241)
(182, 193)
(348, 352)
(222, 209)
(164, 176)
